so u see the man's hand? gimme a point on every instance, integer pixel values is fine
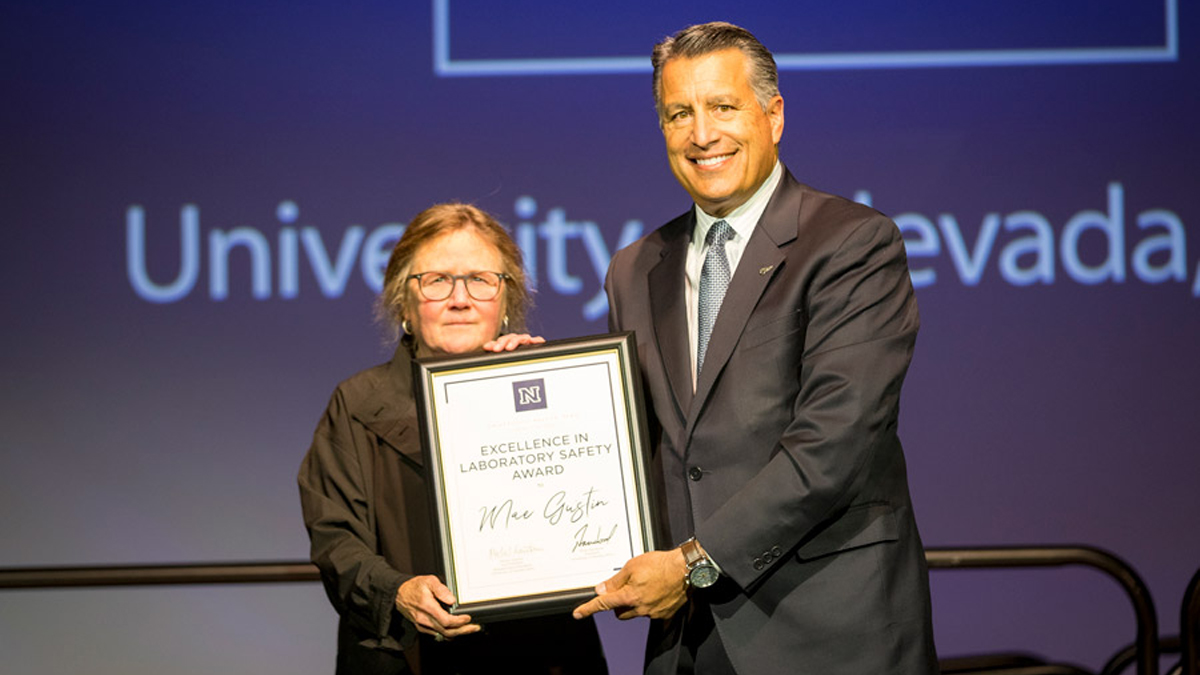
(651, 584)
(420, 600)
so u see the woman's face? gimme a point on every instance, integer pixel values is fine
(460, 323)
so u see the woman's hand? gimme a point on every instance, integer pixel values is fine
(510, 341)
(421, 600)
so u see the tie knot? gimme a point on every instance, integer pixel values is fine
(718, 234)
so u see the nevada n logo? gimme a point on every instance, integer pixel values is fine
(529, 395)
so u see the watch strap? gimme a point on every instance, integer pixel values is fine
(692, 553)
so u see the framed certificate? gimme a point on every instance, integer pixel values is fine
(537, 472)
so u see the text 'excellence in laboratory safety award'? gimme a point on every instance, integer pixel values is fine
(537, 471)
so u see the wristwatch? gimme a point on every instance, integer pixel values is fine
(701, 572)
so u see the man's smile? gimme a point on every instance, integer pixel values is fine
(711, 161)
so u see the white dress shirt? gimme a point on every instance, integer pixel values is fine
(743, 220)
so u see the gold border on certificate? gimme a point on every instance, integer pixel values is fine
(538, 473)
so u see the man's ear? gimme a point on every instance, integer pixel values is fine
(775, 112)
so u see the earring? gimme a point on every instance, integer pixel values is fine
(504, 326)
(406, 326)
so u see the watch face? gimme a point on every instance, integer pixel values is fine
(703, 576)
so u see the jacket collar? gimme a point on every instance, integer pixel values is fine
(669, 308)
(761, 261)
(390, 410)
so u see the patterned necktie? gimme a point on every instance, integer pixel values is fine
(714, 279)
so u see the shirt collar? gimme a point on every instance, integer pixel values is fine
(744, 218)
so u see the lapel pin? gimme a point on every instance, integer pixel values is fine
(763, 270)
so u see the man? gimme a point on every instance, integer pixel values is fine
(774, 351)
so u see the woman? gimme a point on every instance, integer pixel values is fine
(455, 284)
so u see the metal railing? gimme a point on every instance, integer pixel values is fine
(1189, 628)
(1146, 642)
(158, 575)
(1145, 646)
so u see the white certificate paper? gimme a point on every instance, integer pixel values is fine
(538, 472)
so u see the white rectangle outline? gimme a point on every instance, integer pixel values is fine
(971, 58)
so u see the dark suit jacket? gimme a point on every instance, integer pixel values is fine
(785, 462)
(366, 507)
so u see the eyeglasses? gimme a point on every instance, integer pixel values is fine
(440, 285)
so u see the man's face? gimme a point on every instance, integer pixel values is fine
(720, 142)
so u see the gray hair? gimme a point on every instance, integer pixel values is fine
(716, 36)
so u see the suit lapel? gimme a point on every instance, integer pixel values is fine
(761, 261)
(669, 308)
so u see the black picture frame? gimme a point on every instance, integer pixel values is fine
(604, 508)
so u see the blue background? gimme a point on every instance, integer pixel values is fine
(1051, 409)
